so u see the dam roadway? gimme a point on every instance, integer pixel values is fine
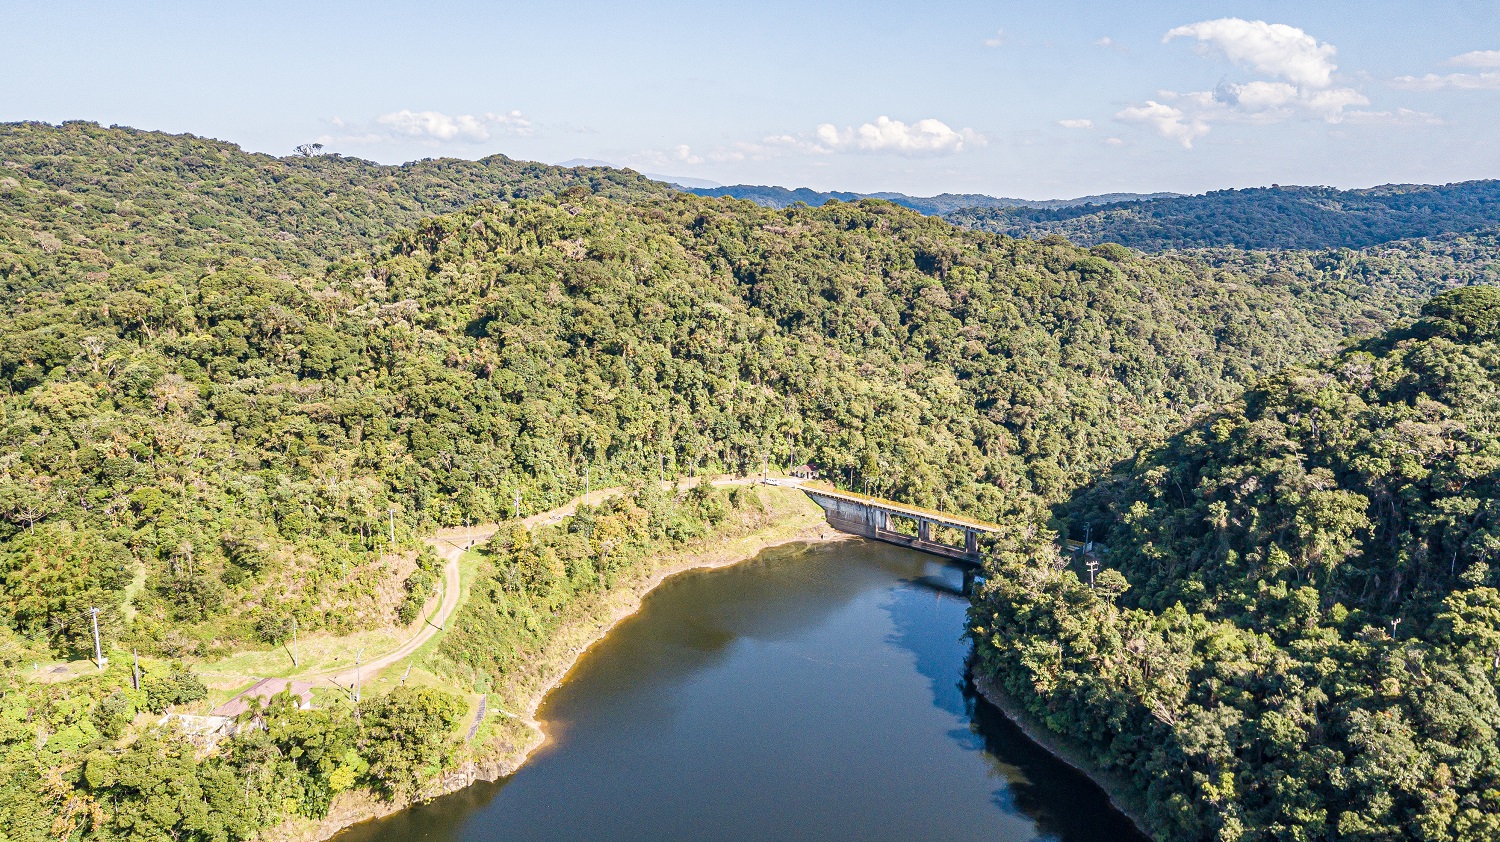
(876, 518)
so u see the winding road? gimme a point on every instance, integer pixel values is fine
(451, 544)
(451, 548)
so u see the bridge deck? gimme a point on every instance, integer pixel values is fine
(857, 521)
(945, 518)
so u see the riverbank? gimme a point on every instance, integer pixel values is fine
(788, 517)
(1115, 786)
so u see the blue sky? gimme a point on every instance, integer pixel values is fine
(1019, 99)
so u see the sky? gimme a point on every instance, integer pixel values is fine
(1031, 100)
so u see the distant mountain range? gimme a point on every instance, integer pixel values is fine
(679, 181)
(781, 197)
(1273, 217)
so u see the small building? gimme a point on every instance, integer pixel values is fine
(264, 690)
(805, 472)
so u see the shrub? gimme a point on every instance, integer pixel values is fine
(177, 687)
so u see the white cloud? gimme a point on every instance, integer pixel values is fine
(1477, 58)
(437, 126)
(1076, 124)
(924, 137)
(1113, 141)
(1302, 86)
(1260, 96)
(999, 39)
(1330, 104)
(1451, 81)
(1265, 102)
(1109, 43)
(1399, 117)
(1171, 123)
(1274, 48)
(1487, 62)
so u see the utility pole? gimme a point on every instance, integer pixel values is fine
(585, 482)
(1093, 566)
(1394, 623)
(518, 502)
(98, 649)
(356, 675)
(294, 643)
(393, 526)
(135, 674)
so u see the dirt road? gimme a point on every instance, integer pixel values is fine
(451, 549)
(451, 544)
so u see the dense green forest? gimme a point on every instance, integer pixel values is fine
(226, 424)
(226, 373)
(227, 432)
(158, 200)
(1260, 218)
(1297, 632)
(73, 767)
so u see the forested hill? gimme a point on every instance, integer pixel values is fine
(1260, 218)
(222, 373)
(782, 197)
(170, 397)
(1298, 629)
(173, 199)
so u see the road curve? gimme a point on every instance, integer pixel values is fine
(450, 548)
(451, 544)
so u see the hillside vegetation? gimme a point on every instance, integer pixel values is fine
(1298, 630)
(160, 201)
(1260, 218)
(239, 433)
(226, 375)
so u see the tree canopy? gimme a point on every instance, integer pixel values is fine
(230, 378)
(1276, 217)
(1308, 647)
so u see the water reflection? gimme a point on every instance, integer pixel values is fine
(813, 693)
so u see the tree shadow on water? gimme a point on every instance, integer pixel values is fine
(1065, 804)
(928, 614)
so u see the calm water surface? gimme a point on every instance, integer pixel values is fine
(809, 694)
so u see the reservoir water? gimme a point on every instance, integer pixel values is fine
(811, 693)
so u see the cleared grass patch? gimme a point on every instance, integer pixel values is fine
(317, 652)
